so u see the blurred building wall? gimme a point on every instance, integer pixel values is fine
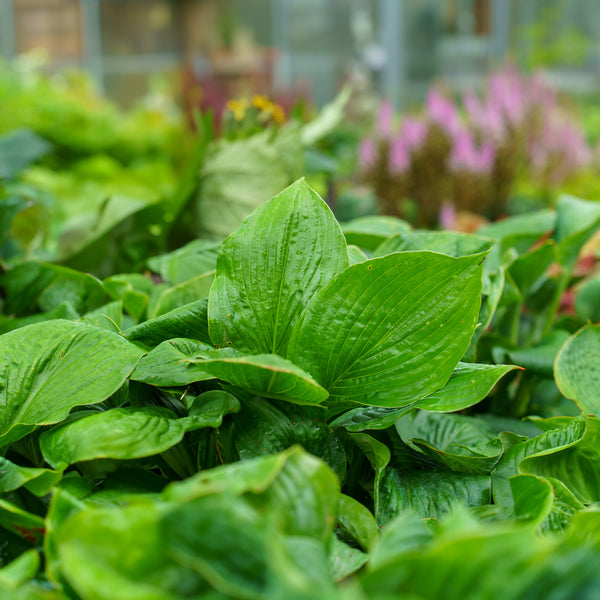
(401, 46)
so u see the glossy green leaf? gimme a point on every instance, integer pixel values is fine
(533, 498)
(25, 524)
(266, 375)
(370, 232)
(289, 248)
(576, 369)
(517, 448)
(391, 330)
(169, 364)
(120, 433)
(521, 231)
(183, 293)
(587, 300)
(455, 442)
(18, 572)
(187, 262)
(49, 368)
(209, 409)
(36, 286)
(469, 384)
(355, 521)
(64, 310)
(451, 243)
(528, 271)
(119, 554)
(356, 255)
(429, 493)
(540, 358)
(36, 480)
(576, 222)
(264, 427)
(368, 417)
(187, 321)
(576, 464)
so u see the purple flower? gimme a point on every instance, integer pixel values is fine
(413, 133)
(447, 216)
(399, 157)
(385, 119)
(442, 111)
(367, 153)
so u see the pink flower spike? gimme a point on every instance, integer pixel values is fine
(487, 157)
(385, 119)
(367, 153)
(447, 216)
(413, 133)
(442, 111)
(399, 158)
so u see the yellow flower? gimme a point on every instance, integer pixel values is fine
(260, 102)
(278, 114)
(238, 108)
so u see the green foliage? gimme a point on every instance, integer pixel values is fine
(285, 416)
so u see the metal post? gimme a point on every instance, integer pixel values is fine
(8, 42)
(92, 41)
(280, 38)
(500, 29)
(393, 79)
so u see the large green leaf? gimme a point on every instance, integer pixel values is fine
(49, 368)
(187, 321)
(469, 384)
(455, 442)
(370, 232)
(35, 286)
(451, 243)
(264, 427)
(193, 259)
(390, 330)
(429, 493)
(577, 370)
(271, 267)
(37, 481)
(576, 222)
(183, 293)
(120, 433)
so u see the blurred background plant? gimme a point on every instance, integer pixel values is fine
(475, 154)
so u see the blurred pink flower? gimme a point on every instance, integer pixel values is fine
(399, 157)
(442, 111)
(385, 119)
(367, 153)
(447, 216)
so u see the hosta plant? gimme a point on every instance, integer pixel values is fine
(286, 416)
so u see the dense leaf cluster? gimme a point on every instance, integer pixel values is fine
(306, 412)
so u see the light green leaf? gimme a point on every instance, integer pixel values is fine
(577, 370)
(390, 330)
(183, 293)
(169, 363)
(370, 232)
(49, 368)
(576, 222)
(270, 268)
(451, 243)
(208, 410)
(120, 433)
(266, 375)
(36, 480)
(20, 570)
(469, 384)
(355, 521)
(188, 321)
(187, 262)
(533, 498)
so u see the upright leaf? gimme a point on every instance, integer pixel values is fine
(390, 330)
(577, 369)
(271, 267)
